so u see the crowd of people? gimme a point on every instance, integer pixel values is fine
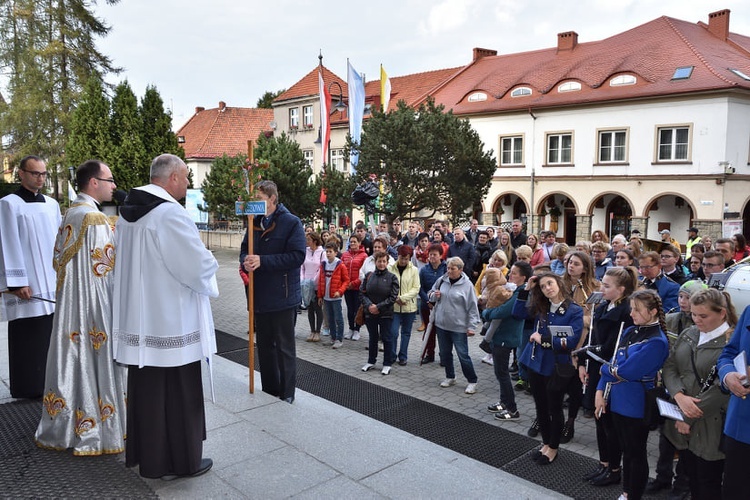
(605, 327)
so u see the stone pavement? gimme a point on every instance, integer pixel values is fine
(418, 381)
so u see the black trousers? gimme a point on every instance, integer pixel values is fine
(633, 435)
(166, 420)
(704, 475)
(736, 486)
(28, 343)
(277, 352)
(608, 442)
(549, 409)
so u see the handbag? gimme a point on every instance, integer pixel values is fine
(359, 318)
(309, 291)
(561, 377)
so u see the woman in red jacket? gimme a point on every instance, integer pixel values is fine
(353, 259)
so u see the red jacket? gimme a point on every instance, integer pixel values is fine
(353, 262)
(339, 280)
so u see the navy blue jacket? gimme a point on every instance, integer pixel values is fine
(667, 289)
(427, 277)
(553, 349)
(465, 251)
(281, 246)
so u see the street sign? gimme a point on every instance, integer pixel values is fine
(250, 208)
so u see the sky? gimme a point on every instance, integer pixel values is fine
(199, 52)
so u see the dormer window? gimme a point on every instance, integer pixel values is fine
(683, 73)
(622, 80)
(520, 92)
(569, 87)
(477, 97)
(739, 73)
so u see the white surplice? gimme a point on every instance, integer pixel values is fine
(27, 239)
(85, 389)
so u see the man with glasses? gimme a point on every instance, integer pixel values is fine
(670, 266)
(713, 263)
(649, 265)
(82, 373)
(28, 225)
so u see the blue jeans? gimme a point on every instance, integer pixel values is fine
(404, 321)
(378, 327)
(446, 341)
(500, 360)
(335, 319)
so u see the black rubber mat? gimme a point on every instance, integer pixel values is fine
(473, 438)
(27, 471)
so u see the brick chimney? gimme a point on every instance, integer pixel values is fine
(198, 109)
(567, 40)
(718, 24)
(222, 106)
(480, 53)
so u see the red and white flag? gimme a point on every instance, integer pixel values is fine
(325, 113)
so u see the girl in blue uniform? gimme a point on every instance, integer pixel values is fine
(546, 356)
(641, 353)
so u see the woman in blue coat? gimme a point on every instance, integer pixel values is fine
(622, 388)
(546, 300)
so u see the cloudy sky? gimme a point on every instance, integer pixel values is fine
(199, 52)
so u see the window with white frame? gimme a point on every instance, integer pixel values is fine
(309, 155)
(511, 150)
(293, 117)
(338, 160)
(520, 92)
(569, 87)
(674, 143)
(613, 146)
(560, 148)
(307, 116)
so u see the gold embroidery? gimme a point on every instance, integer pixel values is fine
(53, 404)
(83, 423)
(104, 260)
(97, 338)
(106, 410)
(75, 337)
(93, 218)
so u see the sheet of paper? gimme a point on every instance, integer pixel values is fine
(669, 410)
(740, 364)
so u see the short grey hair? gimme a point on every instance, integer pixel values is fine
(455, 261)
(621, 238)
(164, 165)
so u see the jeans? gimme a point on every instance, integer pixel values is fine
(403, 321)
(335, 319)
(447, 341)
(378, 327)
(352, 304)
(500, 360)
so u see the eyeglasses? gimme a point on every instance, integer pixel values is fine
(35, 175)
(105, 180)
(667, 256)
(645, 267)
(712, 265)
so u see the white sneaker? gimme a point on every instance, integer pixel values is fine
(337, 344)
(488, 359)
(326, 332)
(386, 370)
(471, 388)
(348, 335)
(448, 382)
(355, 335)
(367, 367)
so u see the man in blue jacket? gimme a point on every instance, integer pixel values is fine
(279, 246)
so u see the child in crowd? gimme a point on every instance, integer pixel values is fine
(496, 291)
(332, 284)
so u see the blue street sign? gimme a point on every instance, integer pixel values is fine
(250, 208)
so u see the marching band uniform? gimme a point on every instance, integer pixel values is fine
(541, 360)
(699, 451)
(639, 357)
(668, 290)
(28, 226)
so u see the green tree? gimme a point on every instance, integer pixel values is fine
(428, 160)
(89, 126)
(266, 101)
(128, 161)
(291, 174)
(156, 128)
(221, 187)
(48, 52)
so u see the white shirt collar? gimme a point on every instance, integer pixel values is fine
(709, 336)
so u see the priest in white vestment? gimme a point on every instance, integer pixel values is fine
(163, 325)
(84, 392)
(28, 225)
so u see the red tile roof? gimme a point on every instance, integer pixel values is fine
(210, 133)
(308, 85)
(651, 52)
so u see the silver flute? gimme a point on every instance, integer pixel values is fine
(608, 387)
